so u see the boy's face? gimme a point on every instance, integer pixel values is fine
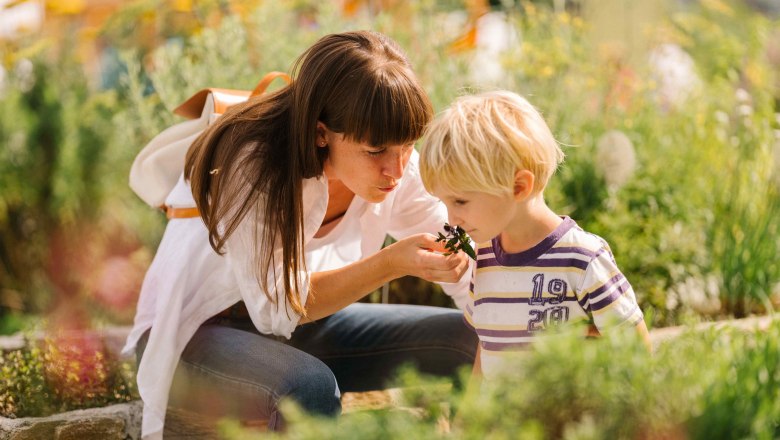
(483, 216)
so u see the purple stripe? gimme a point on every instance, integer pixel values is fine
(505, 333)
(547, 262)
(617, 293)
(499, 346)
(606, 286)
(572, 250)
(526, 257)
(584, 303)
(485, 250)
(515, 300)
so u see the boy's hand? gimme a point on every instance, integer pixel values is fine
(422, 256)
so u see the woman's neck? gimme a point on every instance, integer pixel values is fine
(533, 222)
(339, 199)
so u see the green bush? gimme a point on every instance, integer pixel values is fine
(62, 374)
(693, 226)
(715, 384)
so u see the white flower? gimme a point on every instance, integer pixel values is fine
(722, 117)
(615, 158)
(495, 36)
(3, 81)
(743, 96)
(702, 295)
(675, 73)
(745, 109)
(25, 75)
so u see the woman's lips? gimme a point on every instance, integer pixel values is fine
(388, 188)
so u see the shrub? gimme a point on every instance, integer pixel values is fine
(701, 385)
(62, 374)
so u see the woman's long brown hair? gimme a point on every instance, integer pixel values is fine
(356, 83)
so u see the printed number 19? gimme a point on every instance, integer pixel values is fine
(556, 288)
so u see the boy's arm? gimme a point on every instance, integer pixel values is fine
(476, 372)
(472, 388)
(644, 335)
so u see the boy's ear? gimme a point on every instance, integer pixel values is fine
(524, 185)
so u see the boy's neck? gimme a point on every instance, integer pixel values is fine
(532, 223)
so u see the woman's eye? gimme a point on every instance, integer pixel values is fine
(460, 202)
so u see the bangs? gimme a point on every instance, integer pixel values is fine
(386, 107)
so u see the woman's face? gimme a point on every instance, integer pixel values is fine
(368, 171)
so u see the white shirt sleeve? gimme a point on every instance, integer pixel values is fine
(609, 295)
(415, 211)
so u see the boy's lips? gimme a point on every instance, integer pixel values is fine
(387, 188)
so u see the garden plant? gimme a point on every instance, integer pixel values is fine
(670, 125)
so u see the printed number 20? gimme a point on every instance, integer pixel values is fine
(540, 319)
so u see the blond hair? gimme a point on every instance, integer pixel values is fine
(481, 141)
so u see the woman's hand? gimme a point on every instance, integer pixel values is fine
(421, 256)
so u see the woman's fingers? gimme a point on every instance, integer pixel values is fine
(435, 266)
(428, 242)
(421, 256)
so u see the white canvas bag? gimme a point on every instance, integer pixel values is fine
(158, 166)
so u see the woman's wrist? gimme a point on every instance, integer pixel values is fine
(391, 262)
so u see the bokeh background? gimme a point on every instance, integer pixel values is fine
(667, 111)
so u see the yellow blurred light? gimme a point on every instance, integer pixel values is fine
(66, 7)
(756, 75)
(182, 5)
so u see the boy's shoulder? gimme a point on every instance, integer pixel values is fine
(576, 237)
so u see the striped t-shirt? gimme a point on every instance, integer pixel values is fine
(570, 276)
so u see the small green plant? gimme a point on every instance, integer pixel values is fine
(62, 374)
(718, 383)
(456, 240)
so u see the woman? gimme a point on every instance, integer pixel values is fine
(253, 302)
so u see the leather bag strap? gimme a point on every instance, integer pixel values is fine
(224, 98)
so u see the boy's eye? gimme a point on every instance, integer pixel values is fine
(375, 152)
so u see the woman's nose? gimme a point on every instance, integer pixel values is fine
(394, 167)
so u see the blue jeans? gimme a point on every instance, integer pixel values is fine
(229, 369)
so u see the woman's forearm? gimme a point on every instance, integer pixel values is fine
(332, 290)
(419, 255)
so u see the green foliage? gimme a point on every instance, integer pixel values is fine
(62, 374)
(701, 385)
(699, 209)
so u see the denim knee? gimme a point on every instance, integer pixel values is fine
(314, 388)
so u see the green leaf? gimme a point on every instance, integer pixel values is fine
(465, 246)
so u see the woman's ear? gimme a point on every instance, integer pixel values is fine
(322, 131)
(524, 185)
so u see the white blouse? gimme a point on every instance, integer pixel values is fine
(188, 282)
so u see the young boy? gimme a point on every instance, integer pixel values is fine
(488, 158)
